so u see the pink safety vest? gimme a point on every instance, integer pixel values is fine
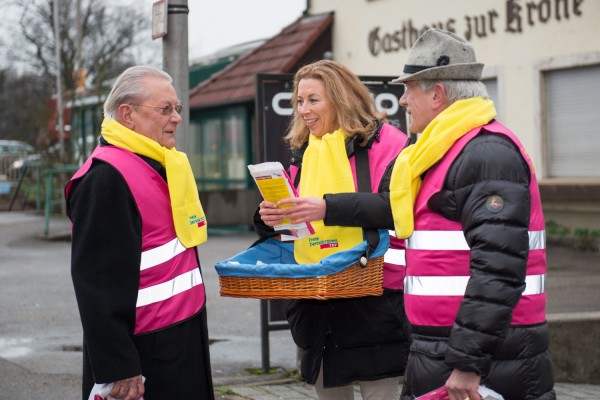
(438, 257)
(382, 152)
(171, 288)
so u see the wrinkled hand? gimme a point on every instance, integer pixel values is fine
(462, 385)
(128, 389)
(303, 209)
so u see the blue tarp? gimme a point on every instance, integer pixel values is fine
(275, 259)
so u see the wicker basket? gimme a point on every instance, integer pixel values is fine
(353, 281)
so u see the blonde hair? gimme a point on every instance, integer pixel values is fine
(354, 106)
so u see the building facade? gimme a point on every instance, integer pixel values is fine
(223, 135)
(542, 69)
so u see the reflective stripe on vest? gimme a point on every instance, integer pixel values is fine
(160, 254)
(456, 285)
(393, 255)
(394, 264)
(168, 289)
(455, 240)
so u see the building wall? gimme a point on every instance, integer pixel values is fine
(517, 40)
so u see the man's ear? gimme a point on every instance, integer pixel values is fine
(439, 100)
(125, 116)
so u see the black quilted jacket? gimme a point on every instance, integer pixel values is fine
(513, 360)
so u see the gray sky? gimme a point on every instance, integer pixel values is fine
(212, 24)
(216, 24)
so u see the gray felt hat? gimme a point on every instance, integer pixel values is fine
(441, 55)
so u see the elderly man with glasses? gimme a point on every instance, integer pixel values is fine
(136, 221)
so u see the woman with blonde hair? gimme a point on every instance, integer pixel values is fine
(340, 143)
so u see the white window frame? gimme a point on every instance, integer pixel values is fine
(541, 67)
(496, 73)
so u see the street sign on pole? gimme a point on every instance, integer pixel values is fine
(159, 19)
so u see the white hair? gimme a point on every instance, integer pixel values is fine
(457, 89)
(129, 87)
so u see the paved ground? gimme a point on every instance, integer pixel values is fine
(289, 391)
(40, 334)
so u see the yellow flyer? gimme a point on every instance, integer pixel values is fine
(274, 184)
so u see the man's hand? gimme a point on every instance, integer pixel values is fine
(463, 385)
(128, 389)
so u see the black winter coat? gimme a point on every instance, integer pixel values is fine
(360, 339)
(107, 238)
(513, 360)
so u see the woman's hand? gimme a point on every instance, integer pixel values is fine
(303, 209)
(269, 213)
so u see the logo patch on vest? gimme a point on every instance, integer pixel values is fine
(323, 244)
(494, 204)
(194, 220)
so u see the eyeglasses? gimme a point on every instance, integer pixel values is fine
(166, 110)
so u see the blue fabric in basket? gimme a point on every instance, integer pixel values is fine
(275, 259)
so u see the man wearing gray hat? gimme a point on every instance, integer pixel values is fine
(466, 198)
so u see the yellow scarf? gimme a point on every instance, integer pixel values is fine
(326, 169)
(188, 216)
(437, 138)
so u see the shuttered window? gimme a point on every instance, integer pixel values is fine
(572, 122)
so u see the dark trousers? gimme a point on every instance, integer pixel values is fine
(175, 362)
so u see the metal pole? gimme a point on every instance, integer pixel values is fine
(59, 99)
(264, 336)
(22, 173)
(176, 64)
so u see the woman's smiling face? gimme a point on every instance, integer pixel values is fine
(315, 107)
